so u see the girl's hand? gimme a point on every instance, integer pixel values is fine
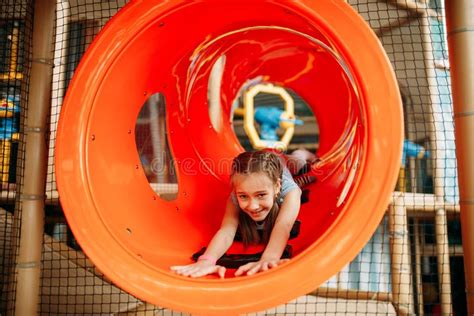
(199, 269)
(262, 265)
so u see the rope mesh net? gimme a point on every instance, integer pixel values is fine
(413, 264)
(15, 49)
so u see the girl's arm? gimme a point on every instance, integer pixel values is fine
(224, 237)
(219, 244)
(278, 238)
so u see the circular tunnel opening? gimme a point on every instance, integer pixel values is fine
(302, 47)
(219, 74)
(225, 68)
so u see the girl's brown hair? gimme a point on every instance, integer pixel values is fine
(252, 162)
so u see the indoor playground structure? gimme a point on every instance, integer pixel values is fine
(356, 123)
(205, 80)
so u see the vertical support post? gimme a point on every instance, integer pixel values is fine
(460, 30)
(58, 89)
(419, 283)
(402, 187)
(442, 253)
(400, 257)
(439, 159)
(28, 264)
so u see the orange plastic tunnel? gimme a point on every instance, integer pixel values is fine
(322, 50)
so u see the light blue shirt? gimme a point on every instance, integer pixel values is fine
(287, 183)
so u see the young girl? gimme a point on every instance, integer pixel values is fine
(263, 205)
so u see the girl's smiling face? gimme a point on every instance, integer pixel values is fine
(255, 194)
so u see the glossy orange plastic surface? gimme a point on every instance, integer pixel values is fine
(321, 49)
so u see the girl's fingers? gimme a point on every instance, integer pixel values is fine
(221, 272)
(255, 269)
(195, 271)
(239, 271)
(178, 269)
(244, 268)
(248, 269)
(174, 268)
(188, 271)
(198, 273)
(265, 266)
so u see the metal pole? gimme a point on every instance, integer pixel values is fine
(28, 265)
(59, 74)
(402, 293)
(442, 253)
(439, 155)
(419, 281)
(460, 30)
